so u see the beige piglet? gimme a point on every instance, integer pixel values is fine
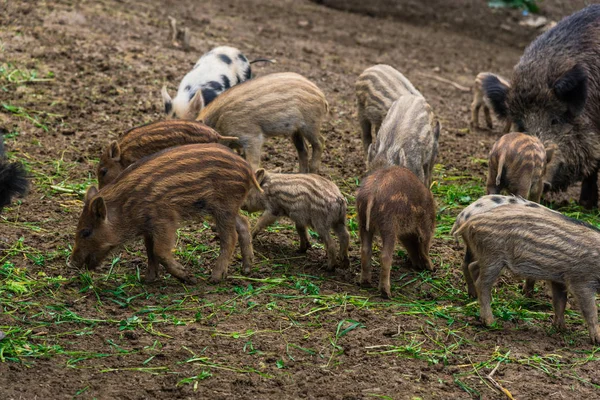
(283, 104)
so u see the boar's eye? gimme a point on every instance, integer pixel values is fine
(555, 121)
(103, 172)
(85, 233)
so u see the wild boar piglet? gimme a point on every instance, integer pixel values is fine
(394, 203)
(536, 243)
(144, 140)
(284, 104)
(480, 99)
(153, 196)
(376, 89)
(517, 164)
(408, 138)
(310, 201)
(214, 73)
(480, 206)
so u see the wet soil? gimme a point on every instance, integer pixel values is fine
(109, 60)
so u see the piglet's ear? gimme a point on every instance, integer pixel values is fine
(114, 151)
(167, 101)
(196, 105)
(91, 192)
(98, 208)
(550, 149)
(571, 88)
(497, 92)
(260, 175)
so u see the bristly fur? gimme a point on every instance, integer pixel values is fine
(13, 182)
(538, 244)
(376, 89)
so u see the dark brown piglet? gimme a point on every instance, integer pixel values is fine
(395, 203)
(148, 139)
(153, 196)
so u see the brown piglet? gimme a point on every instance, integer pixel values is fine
(153, 196)
(517, 164)
(141, 141)
(395, 203)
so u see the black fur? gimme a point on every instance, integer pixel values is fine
(248, 73)
(200, 204)
(242, 57)
(532, 205)
(168, 107)
(208, 95)
(214, 85)
(571, 88)
(225, 59)
(512, 201)
(226, 82)
(496, 92)
(13, 181)
(496, 199)
(188, 88)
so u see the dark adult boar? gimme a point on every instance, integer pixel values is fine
(144, 140)
(555, 95)
(153, 196)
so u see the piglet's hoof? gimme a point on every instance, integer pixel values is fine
(365, 284)
(386, 294)
(216, 277)
(344, 263)
(189, 279)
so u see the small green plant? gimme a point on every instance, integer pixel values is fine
(528, 5)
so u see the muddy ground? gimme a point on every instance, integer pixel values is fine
(100, 68)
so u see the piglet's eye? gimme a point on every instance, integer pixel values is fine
(103, 172)
(85, 233)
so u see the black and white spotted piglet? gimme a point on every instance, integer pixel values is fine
(215, 72)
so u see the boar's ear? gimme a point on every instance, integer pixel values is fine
(571, 88)
(168, 102)
(260, 175)
(196, 105)
(98, 208)
(91, 192)
(496, 91)
(114, 151)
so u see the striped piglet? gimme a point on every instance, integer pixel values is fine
(310, 201)
(376, 89)
(536, 243)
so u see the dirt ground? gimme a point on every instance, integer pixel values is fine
(101, 65)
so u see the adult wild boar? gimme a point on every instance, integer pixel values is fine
(555, 95)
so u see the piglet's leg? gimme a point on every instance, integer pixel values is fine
(243, 230)
(528, 288)
(152, 271)
(586, 297)
(589, 191)
(475, 106)
(304, 239)
(559, 302)
(265, 220)
(366, 254)
(164, 239)
(329, 247)
(488, 117)
(367, 136)
(387, 255)
(344, 238)
(467, 273)
(300, 145)
(488, 273)
(228, 237)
